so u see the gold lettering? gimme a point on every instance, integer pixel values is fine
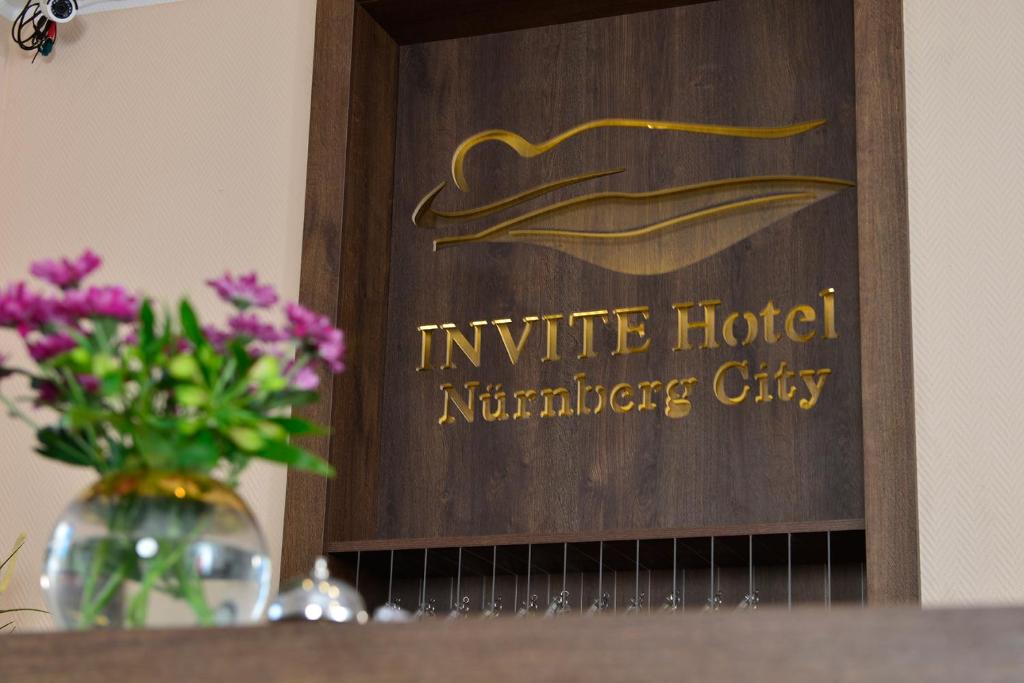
(782, 377)
(828, 297)
(719, 383)
(677, 405)
(807, 315)
(490, 415)
(514, 348)
(582, 389)
(426, 333)
(467, 407)
(763, 394)
(814, 386)
(588, 330)
(455, 337)
(627, 391)
(552, 344)
(549, 402)
(768, 314)
(521, 398)
(625, 328)
(729, 331)
(647, 390)
(684, 325)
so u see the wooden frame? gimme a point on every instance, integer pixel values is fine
(352, 127)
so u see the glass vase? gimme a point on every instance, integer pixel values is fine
(156, 549)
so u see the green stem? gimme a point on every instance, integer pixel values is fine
(89, 614)
(16, 413)
(193, 592)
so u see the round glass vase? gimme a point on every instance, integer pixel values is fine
(156, 549)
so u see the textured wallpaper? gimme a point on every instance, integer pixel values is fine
(965, 92)
(177, 148)
(171, 139)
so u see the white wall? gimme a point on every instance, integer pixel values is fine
(965, 92)
(172, 140)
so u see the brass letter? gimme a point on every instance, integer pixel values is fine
(455, 336)
(622, 348)
(684, 324)
(588, 330)
(521, 398)
(763, 395)
(807, 315)
(719, 384)
(467, 408)
(828, 296)
(514, 349)
(678, 405)
(582, 389)
(426, 332)
(627, 391)
(499, 397)
(814, 386)
(782, 388)
(729, 328)
(552, 346)
(549, 402)
(768, 314)
(647, 390)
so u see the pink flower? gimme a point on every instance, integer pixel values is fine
(218, 338)
(90, 384)
(100, 302)
(64, 273)
(305, 379)
(251, 326)
(47, 394)
(51, 347)
(25, 310)
(315, 331)
(244, 292)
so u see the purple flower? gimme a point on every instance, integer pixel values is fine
(305, 379)
(25, 310)
(251, 326)
(244, 292)
(218, 338)
(100, 302)
(47, 394)
(90, 383)
(64, 273)
(315, 332)
(51, 346)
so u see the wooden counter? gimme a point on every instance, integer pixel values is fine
(862, 645)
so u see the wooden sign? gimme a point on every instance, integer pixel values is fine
(606, 278)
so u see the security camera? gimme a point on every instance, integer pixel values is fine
(61, 11)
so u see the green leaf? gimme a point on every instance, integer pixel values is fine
(200, 452)
(281, 399)
(104, 364)
(294, 425)
(190, 324)
(185, 367)
(58, 444)
(191, 395)
(245, 438)
(147, 329)
(295, 457)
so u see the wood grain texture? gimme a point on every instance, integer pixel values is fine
(890, 465)
(844, 646)
(728, 62)
(417, 21)
(320, 277)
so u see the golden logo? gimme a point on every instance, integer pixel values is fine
(684, 224)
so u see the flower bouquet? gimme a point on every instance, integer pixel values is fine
(169, 412)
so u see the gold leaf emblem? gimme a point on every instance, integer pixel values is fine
(637, 233)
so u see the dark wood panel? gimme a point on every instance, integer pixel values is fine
(363, 307)
(890, 463)
(739, 62)
(417, 21)
(843, 646)
(320, 277)
(479, 540)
